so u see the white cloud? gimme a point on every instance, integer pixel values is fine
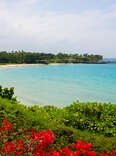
(92, 31)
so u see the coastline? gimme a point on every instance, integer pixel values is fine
(27, 65)
(19, 65)
(39, 64)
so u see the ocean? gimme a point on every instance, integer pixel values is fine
(60, 85)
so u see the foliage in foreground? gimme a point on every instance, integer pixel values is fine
(95, 117)
(63, 122)
(40, 144)
(7, 92)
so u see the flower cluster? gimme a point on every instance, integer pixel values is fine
(40, 144)
(6, 125)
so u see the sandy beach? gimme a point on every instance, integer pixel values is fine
(26, 65)
(19, 65)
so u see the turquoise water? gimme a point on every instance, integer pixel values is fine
(60, 85)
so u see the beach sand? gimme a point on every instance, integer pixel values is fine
(26, 65)
(19, 65)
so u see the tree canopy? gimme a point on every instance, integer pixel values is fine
(20, 57)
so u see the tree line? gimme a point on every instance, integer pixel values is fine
(20, 57)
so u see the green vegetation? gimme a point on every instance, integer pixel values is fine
(7, 93)
(92, 122)
(93, 117)
(29, 57)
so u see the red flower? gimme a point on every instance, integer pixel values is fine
(39, 142)
(6, 125)
(25, 130)
(32, 130)
(20, 141)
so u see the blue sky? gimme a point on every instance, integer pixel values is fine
(83, 26)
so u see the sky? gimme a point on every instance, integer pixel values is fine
(52, 26)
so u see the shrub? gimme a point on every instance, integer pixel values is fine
(56, 119)
(94, 117)
(7, 93)
(40, 144)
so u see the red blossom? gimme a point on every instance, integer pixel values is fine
(6, 125)
(25, 130)
(32, 130)
(38, 145)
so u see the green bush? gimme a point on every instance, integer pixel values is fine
(94, 117)
(77, 121)
(7, 93)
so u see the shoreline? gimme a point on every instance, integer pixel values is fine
(27, 65)
(19, 65)
(39, 64)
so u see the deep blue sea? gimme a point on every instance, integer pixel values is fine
(60, 85)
